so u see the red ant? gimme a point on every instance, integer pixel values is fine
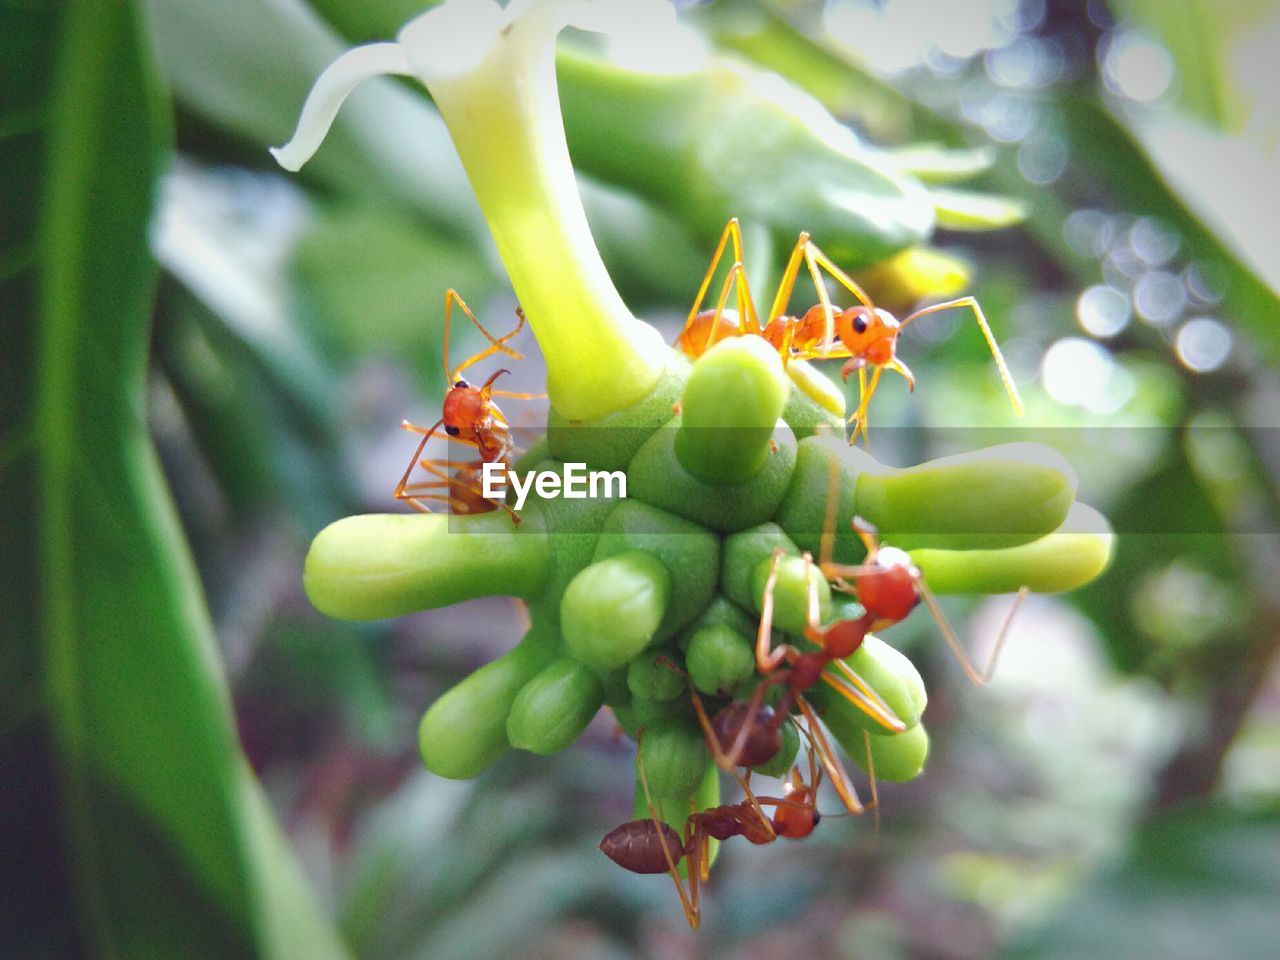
(889, 586)
(469, 415)
(865, 334)
(751, 727)
(652, 845)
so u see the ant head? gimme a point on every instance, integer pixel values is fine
(451, 429)
(871, 334)
(461, 384)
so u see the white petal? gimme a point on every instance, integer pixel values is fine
(330, 90)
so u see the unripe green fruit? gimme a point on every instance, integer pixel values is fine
(796, 577)
(656, 676)
(674, 756)
(719, 659)
(1063, 560)
(648, 712)
(782, 761)
(734, 397)
(657, 477)
(690, 552)
(898, 758)
(891, 675)
(743, 553)
(816, 404)
(720, 611)
(466, 729)
(611, 610)
(554, 707)
(386, 565)
(992, 498)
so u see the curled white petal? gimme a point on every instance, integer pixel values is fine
(330, 90)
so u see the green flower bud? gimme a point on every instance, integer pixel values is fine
(611, 610)
(656, 677)
(657, 477)
(386, 565)
(796, 577)
(816, 404)
(743, 553)
(690, 552)
(648, 711)
(733, 399)
(996, 497)
(892, 676)
(674, 756)
(896, 758)
(719, 659)
(554, 707)
(720, 611)
(1064, 560)
(465, 730)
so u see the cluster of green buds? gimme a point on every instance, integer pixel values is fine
(635, 602)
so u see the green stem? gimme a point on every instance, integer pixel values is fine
(503, 112)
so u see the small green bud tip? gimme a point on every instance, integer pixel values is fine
(465, 730)
(674, 756)
(611, 609)
(897, 759)
(731, 405)
(893, 677)
(995, 497)
(373, 566)
(554, 707)
(791, 592)
(1068, 558)
(719, 659)
(656, 676)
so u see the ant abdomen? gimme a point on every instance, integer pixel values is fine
(636, 846)
(763, 740)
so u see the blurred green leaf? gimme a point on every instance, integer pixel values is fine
(966, 210)
(1109, 151)
(1203, 882)
(168, 847)
(730, 141)
(1204, 39)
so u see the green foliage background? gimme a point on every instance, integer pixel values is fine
(202, 362)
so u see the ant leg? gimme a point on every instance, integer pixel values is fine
(858, 692)
(746, 306)
(728, 759)
(788, 281)
(830, 762)
(404, 480)
(735, 278)
(871, 772)
(496, 344)
(768, 659)
(688, 901)
(949, 635)
(815, 259)
(743, 778)
(1005, 377)
(864, 402)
